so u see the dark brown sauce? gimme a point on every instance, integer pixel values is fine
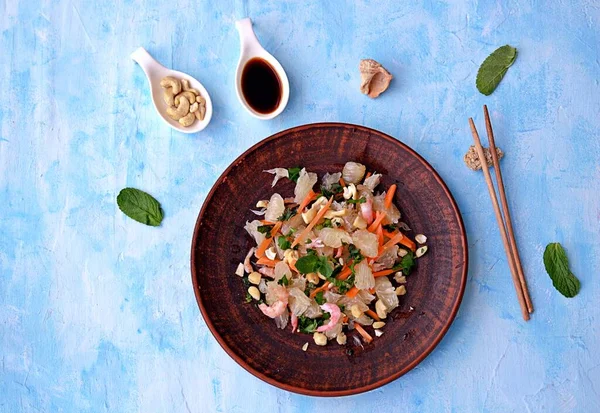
(261, 86)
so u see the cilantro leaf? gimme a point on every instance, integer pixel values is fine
(283, 281)
(265, 229)
(319, 298)
(287, 214)
(333, 190)
(557, 267)
(284, 243)
(357, 201)
(294, 173)
(493, 69)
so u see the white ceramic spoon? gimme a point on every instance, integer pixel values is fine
(250, 48)
(155, 72)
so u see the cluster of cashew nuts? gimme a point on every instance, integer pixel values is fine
(184, 103)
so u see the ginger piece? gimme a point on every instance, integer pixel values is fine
(472, 161)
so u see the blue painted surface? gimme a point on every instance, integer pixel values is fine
(97, 312)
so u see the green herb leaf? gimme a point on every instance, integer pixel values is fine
(140, 206)
(294, 173)
(357, 201)
(325, 267)
(283, 281)
(390, 227)
(287, 214)
(407, 264)
(265, 229)
(307, 325)
(319, 298)
(284, 243)
(325, 224)
(557, 267)
(493, 69)
(333, 190)
(308, 263)
(248, 297)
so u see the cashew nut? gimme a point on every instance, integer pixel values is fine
(189, 95)
(171, 82)
(188, 119)
(187, 88)
(169, 96)
(181, 110)
(201, 111)
(194, 107)
(200, 100)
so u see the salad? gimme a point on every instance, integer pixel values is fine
(331, 260)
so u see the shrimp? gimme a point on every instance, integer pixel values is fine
(339, 252)
(366, 210)
(247, 266)
(269, 272)
(275, 310)
(336, 314)
(294, 322)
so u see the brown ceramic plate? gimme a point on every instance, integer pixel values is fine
(435, 289)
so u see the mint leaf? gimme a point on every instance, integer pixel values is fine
(140, 206)
(493, 69)
(325, 267)
(308, 263)
(294, 173)
(557, 267)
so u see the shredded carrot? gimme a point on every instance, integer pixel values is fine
(344, 274)
(373, 315)
(388, 234)
(293, 266)
(260, 251)
(345, 319)
(379, 216)
(380, 235)
(407, 242)
(324, 287)
(368, 175)
(309, 197)
(342, 182)
(352, 292)
(310, 226)
(393, 241)
(265, 261)
(265, 222)
(363, 333)
(389, 197)
(372, 290)
(383, 273)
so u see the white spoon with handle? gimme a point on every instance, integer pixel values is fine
(155, 72)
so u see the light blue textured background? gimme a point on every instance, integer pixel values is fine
(97, 311)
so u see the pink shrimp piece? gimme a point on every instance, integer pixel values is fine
(275, 310)
(366, 210)
(269, 272)
(294, 320)
(336, 314)
(247, 266)
(339, 252)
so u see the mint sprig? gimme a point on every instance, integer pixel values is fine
(493, 69)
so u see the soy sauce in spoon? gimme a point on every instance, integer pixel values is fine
(261, 86)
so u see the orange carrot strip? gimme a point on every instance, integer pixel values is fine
(324, 287)
(372, 290)
(393, 241)
(310, 226)
(379, 216)
(293, 266)
(344, 274)
(352, 292)
(407, 242)
(345, 319)
(363, 333)
(265, 222)
(383, 273)
(380, 235)
(373, 315)
(260, 251)
(265, 261)
(342, 182)
(368, 175)
(309, 197)
(389, 197)
(388, 234)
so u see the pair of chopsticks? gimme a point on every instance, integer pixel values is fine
(505, 225)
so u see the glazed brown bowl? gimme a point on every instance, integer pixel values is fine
(412, 331)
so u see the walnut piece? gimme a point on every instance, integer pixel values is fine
(472, 159)
(374, 79)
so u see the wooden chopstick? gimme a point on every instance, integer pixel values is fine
(492, 191)
(505, 211)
